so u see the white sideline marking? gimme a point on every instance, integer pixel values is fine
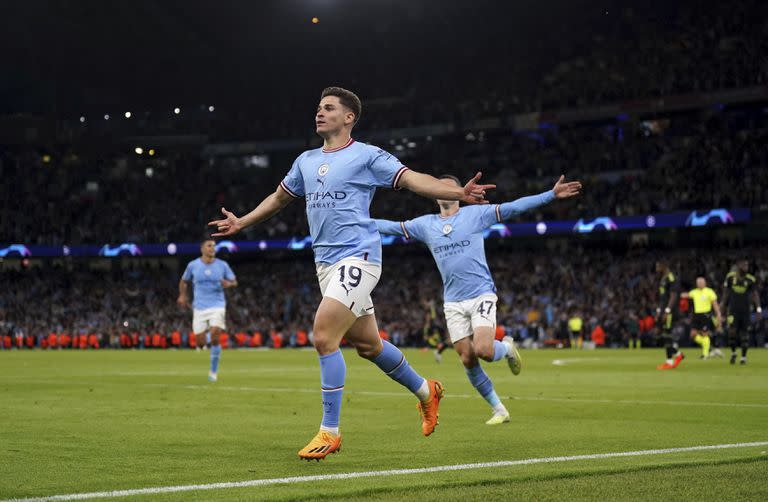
(630, 401)
(569, 360)
(367, 474)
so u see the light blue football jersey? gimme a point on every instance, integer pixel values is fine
(457, 243)
(338, 186)
(206, 282)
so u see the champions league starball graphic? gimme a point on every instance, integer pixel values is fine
(678, 219)
(706, 218)
(227, 246)
(602, 223)
(15, 250)
(125, 249)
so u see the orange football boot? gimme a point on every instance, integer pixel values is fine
(321, 445)
(428, 409)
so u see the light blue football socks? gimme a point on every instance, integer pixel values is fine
(333, 373)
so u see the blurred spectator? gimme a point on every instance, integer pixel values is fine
(693, 163)
(604, 289)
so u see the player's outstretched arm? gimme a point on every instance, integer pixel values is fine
(389, 227)
(566, 190)
(561, 190)
(432, 188)
(270, 206)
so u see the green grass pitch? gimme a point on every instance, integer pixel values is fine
(79, 422)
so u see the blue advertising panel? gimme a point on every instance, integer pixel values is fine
(678, 219)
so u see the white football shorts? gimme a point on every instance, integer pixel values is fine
(351, 282)
(203, 320)
(463, 317)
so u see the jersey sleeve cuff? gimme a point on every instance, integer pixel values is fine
(405, 230)
(396, 181)
(288, 190)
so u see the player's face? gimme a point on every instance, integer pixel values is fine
(701, 282)
(332, 116)
(447, 203)
(208, 249)
(744, 266)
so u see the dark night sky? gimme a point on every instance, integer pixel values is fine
(73, 55)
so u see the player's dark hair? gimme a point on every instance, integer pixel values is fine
(450, 177)
(206, 239)
(347, 98)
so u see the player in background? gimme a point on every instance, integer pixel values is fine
(338, 182)
(442, 346)
(717, 336)
(666, 313)
(704, 302)
(738, 290)
(455, 239)
(434, 334)
(576, 330)
(209, 276)
(631, 327)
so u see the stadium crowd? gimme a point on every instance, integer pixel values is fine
(590, 56)
(688, 162)
(696, 160)
(640, 56)
(135, 306)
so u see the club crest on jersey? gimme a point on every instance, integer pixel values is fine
(447, 228)
(323, 170)
(207, 272)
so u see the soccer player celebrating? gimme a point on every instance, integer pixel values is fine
(665, 314)
(337, 182)
(738, 290)
(209, 276)
(455, 239)
(704, 301)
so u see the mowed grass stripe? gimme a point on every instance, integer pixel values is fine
(115, 420)
(386, 473)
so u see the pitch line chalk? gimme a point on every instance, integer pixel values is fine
(370, 474)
